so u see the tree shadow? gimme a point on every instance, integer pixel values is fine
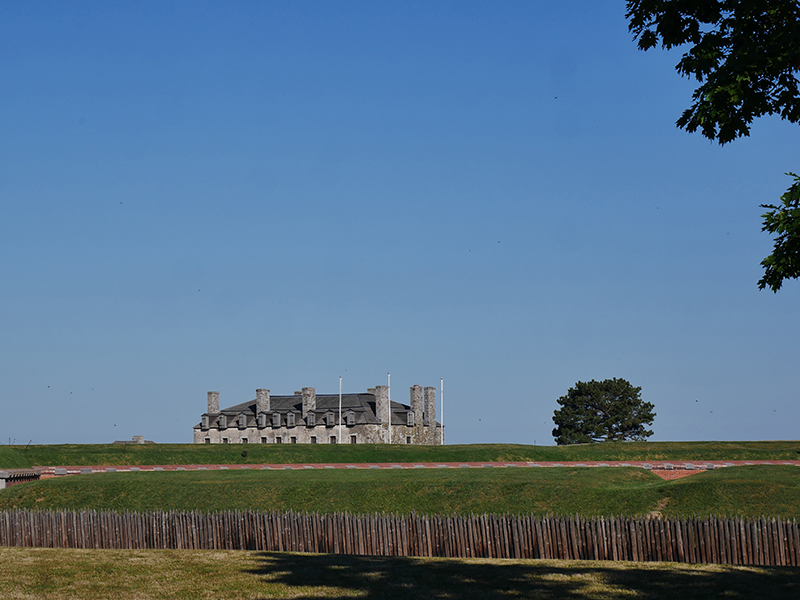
(373, 578)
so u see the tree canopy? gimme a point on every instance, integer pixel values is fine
(746, 56)
(597, 411)
(784, 262)
(745, 53)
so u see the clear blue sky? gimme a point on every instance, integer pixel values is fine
(234, 195)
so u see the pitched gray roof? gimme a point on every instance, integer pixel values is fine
(363, 405)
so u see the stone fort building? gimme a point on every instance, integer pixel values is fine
(308, 418)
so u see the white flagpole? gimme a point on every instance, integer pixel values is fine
(389, 392)
(340, 409)
(442, 417)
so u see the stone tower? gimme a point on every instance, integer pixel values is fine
(430, 414)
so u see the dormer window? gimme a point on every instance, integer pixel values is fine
(262, 421)
(330, 420)
(311, 420)
(351, 418)
(205, 422)
(242, 421)
(410, 418)
(223, 422)
(276, 419)
(290, 419)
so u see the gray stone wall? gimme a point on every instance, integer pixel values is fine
(430, 415)
(309, 400)
(262, 401)
(415, 402)
(382, 403)
(365, 434)
(213, 403)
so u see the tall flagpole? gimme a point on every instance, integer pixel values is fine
(389, 391)
(442, 417)
(340, 409)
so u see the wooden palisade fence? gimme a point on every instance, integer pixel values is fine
(737, 541)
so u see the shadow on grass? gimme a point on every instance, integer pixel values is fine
(382, 578)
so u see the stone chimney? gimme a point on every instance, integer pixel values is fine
(430, 413)
(262, 401)
(382, 403)
(416, 403)
(213, 403)
(309, 400)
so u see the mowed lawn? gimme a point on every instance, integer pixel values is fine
(228, 454)
(42, 573)
(741, 491)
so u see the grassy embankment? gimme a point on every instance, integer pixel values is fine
(741, 491)
(223, 575)
(186, 454)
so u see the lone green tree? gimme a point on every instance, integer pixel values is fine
(598, 411)
(746, 56)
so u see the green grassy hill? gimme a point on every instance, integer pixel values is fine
(185, 454)
(745, 491)
(12, 458)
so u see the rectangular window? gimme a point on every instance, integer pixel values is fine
(352, 439)
(290, 420)
(223, 422)
(333, 439)
(410, 419)
(351, 419)
(224, 440)
(242, 421)
(263, 440)
(207, 440)
(205, 422)
(245, 440)
(278, 439)
(313, 439)
(408, 439)
(276, 419)
(330, 420)
(262, 421)
(294, 440)
(311, 420)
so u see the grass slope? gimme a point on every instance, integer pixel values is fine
(11, 458)
(227, 575)
(743, 491)
(185, 454)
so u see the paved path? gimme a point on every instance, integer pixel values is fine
(664, 469)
